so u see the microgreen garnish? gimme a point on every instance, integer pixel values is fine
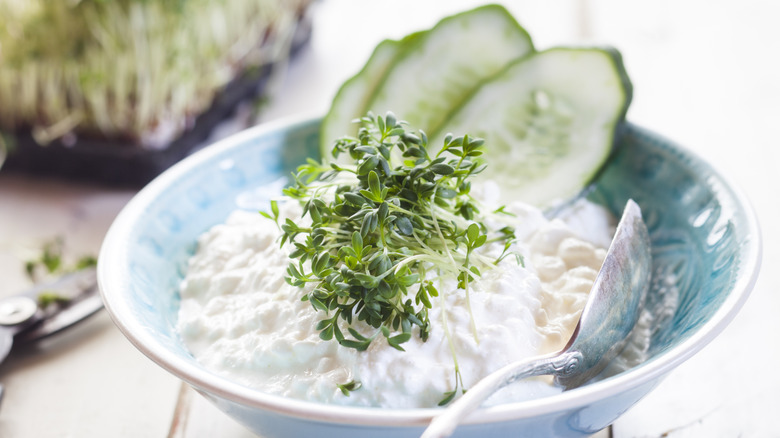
(385, 229)
(49, 297)
(347, 388)
(450, 395)
(50, 261)
(274, 215)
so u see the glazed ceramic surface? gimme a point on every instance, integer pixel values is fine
(706, 250)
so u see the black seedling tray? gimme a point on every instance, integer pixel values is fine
(124, 164)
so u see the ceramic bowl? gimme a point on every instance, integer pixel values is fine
(705, 237)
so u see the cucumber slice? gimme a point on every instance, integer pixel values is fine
(548, 121)
(352, 98)
(438, 70)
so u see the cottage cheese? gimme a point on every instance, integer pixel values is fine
(241, 319)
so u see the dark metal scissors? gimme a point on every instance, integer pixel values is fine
(47, 309)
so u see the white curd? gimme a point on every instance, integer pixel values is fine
(241, 319)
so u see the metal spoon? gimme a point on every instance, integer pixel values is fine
(608, 318)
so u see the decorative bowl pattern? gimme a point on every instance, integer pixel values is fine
(706, 248)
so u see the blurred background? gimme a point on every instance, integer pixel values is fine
(97, 97)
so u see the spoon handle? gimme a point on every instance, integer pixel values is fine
(444, 424)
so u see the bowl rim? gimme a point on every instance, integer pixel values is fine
(110, 268)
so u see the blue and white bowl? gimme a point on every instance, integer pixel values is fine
(704, 233)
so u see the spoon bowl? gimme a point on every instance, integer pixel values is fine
(609, 316)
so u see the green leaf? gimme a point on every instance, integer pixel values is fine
(448, 397)
(404, 225)
(292, 271)
(52, 257)
(413, 152)
(354, 199)
(397, 340)
(373, 183)
(390, 119)
(502, 210)
(472, 233)
(327, 333)
(369, 195)
(457, 141)
(367, 165)
(337, 331)
(380, 123)
(395, 132)
(366, 150)
(411, 138)
(357, 345)
(446, 193)
(422, 297)
(348, 387)
(367, 280)
(408, 280)
(357, 244)
(48, 298)
(356, 334)
(85, 262)
(321, 263)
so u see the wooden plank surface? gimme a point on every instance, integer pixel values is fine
(705, 74)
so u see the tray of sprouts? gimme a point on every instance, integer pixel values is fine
(116, 91)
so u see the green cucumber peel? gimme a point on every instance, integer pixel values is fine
(459, 52)
(556, 133)
(369, 87)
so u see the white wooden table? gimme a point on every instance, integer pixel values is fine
(706, 74)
